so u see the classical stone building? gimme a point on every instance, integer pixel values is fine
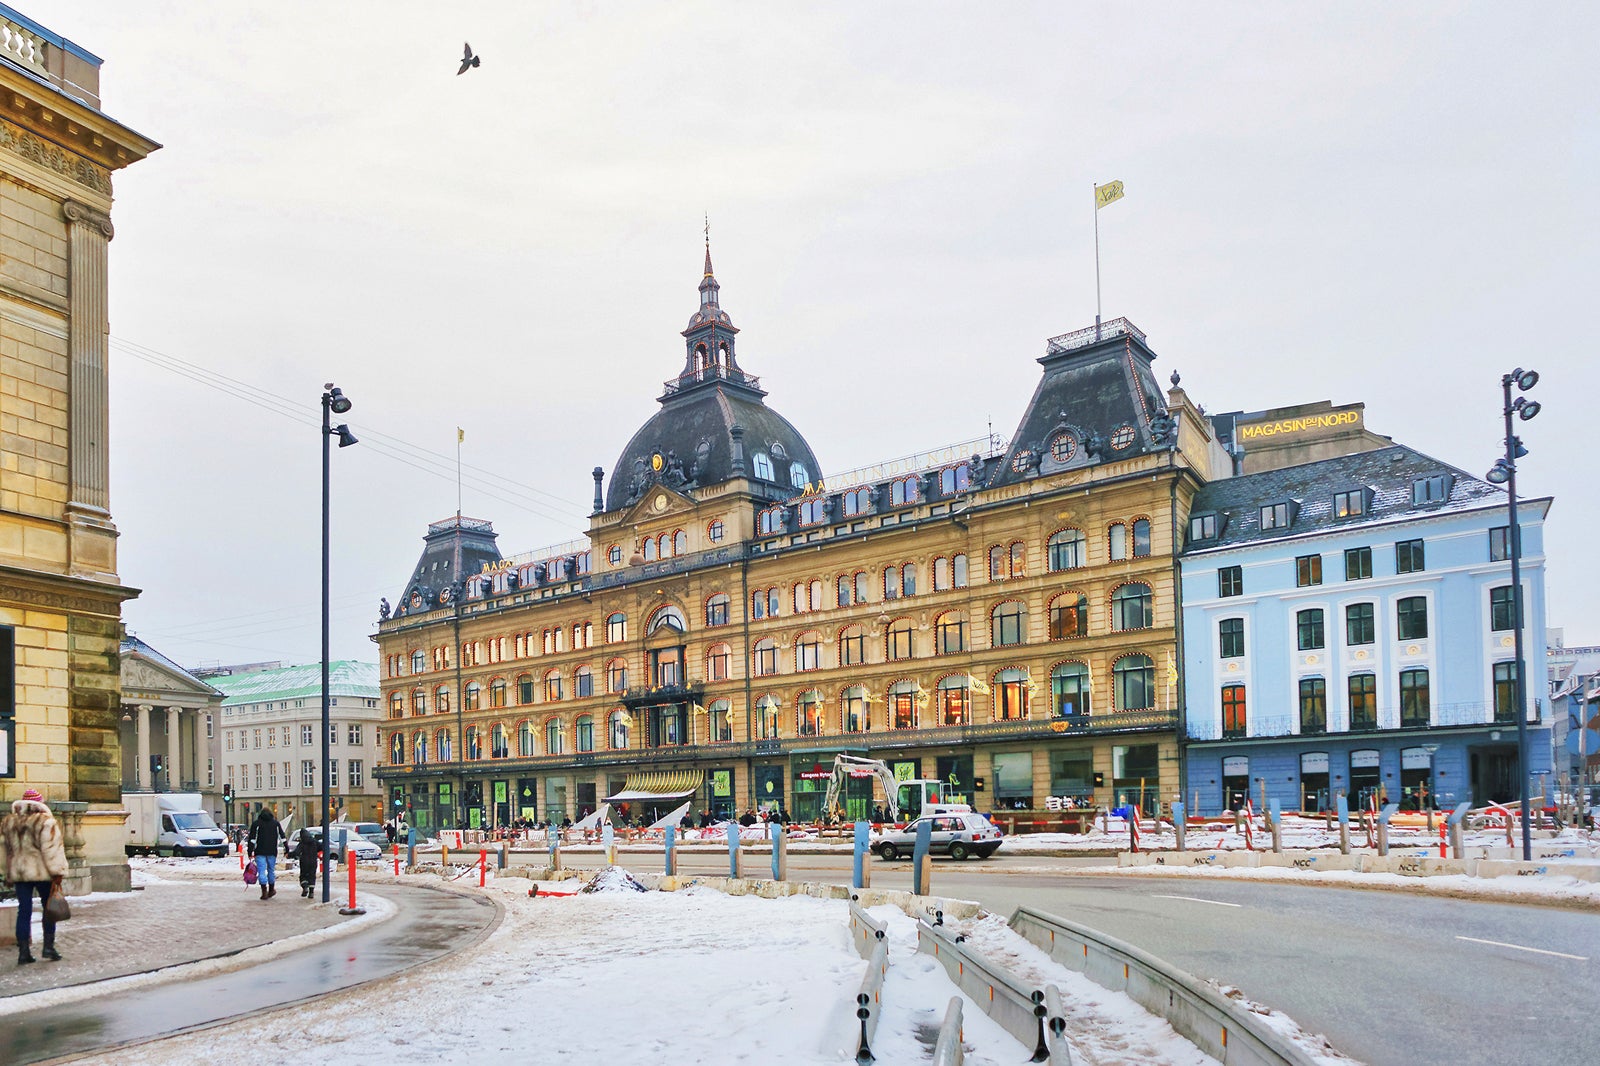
(169, 727)
(1001, 619)
(60, 596)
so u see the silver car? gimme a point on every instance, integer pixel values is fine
(364, 850)
(956, 835)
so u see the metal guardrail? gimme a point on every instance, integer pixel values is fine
(869, 1000)
(947, 1051)
(1215, 1024)
(1020, 1012)
(866, 933)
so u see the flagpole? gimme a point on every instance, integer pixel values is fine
(459, 436)
(1096, 200)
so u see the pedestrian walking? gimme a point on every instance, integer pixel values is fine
(308, 852)
(264, 837)
(33, 859)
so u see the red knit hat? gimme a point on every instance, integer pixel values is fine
(33, 794)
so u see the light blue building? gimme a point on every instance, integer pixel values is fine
(1348, 627)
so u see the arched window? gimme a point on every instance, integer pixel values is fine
(616, 628)
(1131, 607)
(758, 604)
(855, 502)
(897, 641)
(813, 511)
(717, 610)
(497, 692)
(958, 570)
(617, 675)
(419, 662)
(419, 749)
(768, 711)
(441, 745)
(863, 585)
(583, 682)
(808, 714)
(473, 697)
(554, 740)
(1069, 690)
(473, 748)
(954, 479)
(903, 491)
(801, 599)
(668, 617)
(904, 700)
(719, 660)
(1010, 691)
(908, 580)
(950, 633)
(808, 651)
(1141, 538)
(762, 464)
(648, 549)
(397, 748)
(766, 657)
(854, 713)
(953, 700)
(941, 574)
(769, 521)
(721, 715)
(1134, 680)
(441, 700)
(852, 646)
(397, 705)
(891, 582)
(585, 732)
(526, 745)
(552, 685)
(1009, 623)
(619, 723)
(1068, 550)
(419, 701)
(1069, 616)
(680, 542)
(1117, 541)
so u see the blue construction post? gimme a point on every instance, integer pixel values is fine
(733, 848)
(552, 837)
(1383, 826)
(411, 846)
(1275, 816)
(780, 851)
(1343, 807)
(1455, 822)
(861, 875)
(921, 861)
(1178, 825)
(608, 842)
(672, 855)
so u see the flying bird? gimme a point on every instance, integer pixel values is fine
(468, 60)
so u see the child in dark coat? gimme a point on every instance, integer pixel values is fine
(309, 854)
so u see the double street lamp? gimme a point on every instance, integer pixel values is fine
(334, 402)
(1504, 472)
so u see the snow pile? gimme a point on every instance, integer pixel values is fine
(612, 879)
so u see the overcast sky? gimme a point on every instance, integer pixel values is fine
(1384, 203)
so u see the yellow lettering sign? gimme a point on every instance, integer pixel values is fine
(1331, 419)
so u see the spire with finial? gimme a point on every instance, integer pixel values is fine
(708, 283)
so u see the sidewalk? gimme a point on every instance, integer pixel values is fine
(165, 923)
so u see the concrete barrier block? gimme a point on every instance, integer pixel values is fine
(960, 909)
(1143, 858)
(1185, 858)
(1436, 867)
(1240, 860)
(1517, 868)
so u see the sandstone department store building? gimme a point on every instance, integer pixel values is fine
(1004, 620)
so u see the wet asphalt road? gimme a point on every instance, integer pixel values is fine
(429, 923)
(1388, 977)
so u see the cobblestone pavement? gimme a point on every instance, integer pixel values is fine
(165, 923)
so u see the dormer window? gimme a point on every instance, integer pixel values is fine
(1433, 489)
(763, 465)
(1202, 527)
(1275, 516)
(799, 477)
(1350, 504)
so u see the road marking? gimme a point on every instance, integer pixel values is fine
(1519, 947)
(1197, 899)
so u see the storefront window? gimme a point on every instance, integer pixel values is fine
(1013, 780)
(1072, 777)
(1136, 774)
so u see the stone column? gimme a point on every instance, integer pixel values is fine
(141, 767)
(89, 233)
(70, 817)
(174, 749)
(198, 748)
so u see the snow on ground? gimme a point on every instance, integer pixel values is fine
(664, 977)
(1543, 888)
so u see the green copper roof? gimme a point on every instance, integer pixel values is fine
(346, 677)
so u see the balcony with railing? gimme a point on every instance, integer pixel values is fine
(705, 374)
(1082, 338)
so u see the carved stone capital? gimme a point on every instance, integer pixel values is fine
(75, 212)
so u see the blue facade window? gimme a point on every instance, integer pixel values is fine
(1230, 581)
(1411, 616)
(1362, 691)
(1505, 693)
(1502, 609)
(1313, 705)
(1409, 557)
(1309, 629)
(1359, 624)
(1230, 638)
(1308, 570)
(1415, 706)
(1357, 564)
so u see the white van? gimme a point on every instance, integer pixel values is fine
(171, 823)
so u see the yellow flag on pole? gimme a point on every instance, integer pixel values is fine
(461, 434)
(1107, 194)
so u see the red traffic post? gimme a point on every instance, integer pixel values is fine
(352, 908)
(483, 865)
(397, 860)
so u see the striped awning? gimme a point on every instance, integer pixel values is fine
(659, 784)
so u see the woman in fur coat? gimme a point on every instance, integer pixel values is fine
(33, 859)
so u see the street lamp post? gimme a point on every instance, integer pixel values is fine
(333, 402)
(1504, 473)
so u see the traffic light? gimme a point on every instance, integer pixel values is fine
(227, 793)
